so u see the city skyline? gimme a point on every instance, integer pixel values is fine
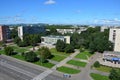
(60, 11)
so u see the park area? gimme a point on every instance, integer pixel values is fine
(84, 55)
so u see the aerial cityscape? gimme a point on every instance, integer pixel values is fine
(60, 40)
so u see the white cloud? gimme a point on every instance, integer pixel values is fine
(106, 21)
(50, 2)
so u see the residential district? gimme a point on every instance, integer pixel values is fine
(59, 52)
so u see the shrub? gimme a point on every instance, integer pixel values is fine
(30, 56)
(96, 64)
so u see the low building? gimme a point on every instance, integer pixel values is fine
(64, 31)
(4, 33)
(114, 36)
(72, 30)
(111, 56)
(53, 39)
(30, 30)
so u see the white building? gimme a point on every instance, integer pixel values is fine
(64, 31)
(114, 36)
(53, 39)
(72, 30)
(20, 32)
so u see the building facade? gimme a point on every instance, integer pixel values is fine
(53, 39)
(4, 33)
(114, 36)
(30, 30)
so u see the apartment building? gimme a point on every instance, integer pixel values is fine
(53, 39)
(30, 30)
(4, 33)
(114, 36)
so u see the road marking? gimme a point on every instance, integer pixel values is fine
(43, 75)
(17, 69)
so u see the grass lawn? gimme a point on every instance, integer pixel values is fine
(68, 70)
(98, 77)
(83, 55)
(2, 52)
(105, 68)
(19, 57)
(77, 63)
(20, 50)
(54, 51)
(48, 65)
(58, 58)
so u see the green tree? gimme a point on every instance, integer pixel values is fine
(30, 56)
(69, 48)
(17, 40)
(76, 41)
(114, 74)
(9, 50)
(96, 64)
(44, 53)
(22, 44)
(60, 46)
(14, 32)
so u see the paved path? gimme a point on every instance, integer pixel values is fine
(80, 60)
(52, 61)
(84, 74)
(99, 72)
(43, 75)
(49, 71)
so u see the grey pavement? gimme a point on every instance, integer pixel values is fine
(80, 60)
(22, 70)
(10, 74)
(52, 61)
(99, 72)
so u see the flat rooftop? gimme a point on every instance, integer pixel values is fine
(111, 52)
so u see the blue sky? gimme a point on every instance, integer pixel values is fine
(60, 11)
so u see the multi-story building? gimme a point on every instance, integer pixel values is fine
(4, 33)
(30, 30)
(53, 39)
(114, 36)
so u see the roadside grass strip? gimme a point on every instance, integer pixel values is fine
(98, 77)
(77, 63)
(47, 64)
(68, 70)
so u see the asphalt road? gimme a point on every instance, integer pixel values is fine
(13, 70)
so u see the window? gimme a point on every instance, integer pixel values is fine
(114, 30)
